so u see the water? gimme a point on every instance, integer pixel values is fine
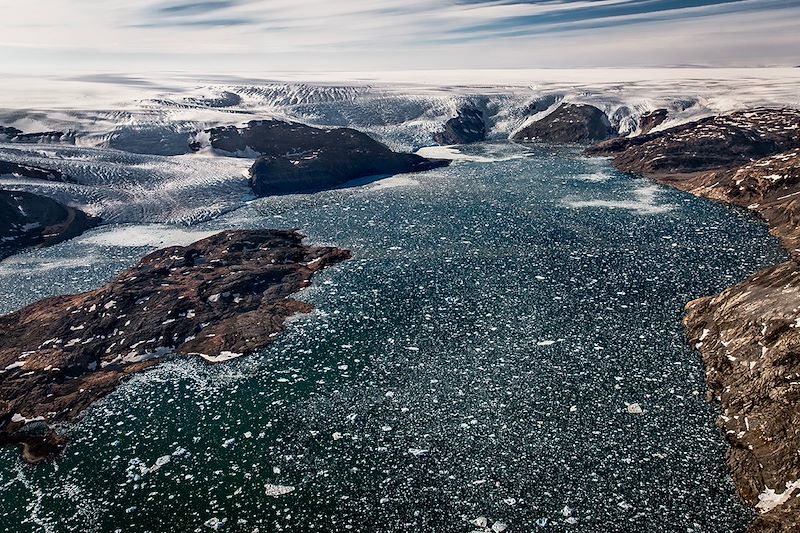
(474, 359)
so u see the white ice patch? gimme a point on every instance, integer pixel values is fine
(644, 202)
(222, 357)
(769, 499)
(155, 235)
(392, 182)
(277, 490)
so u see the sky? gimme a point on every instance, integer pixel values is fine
(259, 36)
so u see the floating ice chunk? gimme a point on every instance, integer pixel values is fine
(336, 435)
(480, 521)
(499, 527)
(277, 490)
(416, 452)
(634, 408)
(215, 523)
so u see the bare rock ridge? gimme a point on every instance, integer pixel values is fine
(218, 298)
(18, 170)
(468, 126)
(11, 134)
(652, 119)
(295, 158)
(711, 144)
(749, 335)
(31, 220)
(569, 123)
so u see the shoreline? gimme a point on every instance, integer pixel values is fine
(749, 334)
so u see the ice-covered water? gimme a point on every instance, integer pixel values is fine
(472, 364)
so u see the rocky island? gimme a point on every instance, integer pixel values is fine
(748, 335)
(218, 298)
(295, 158)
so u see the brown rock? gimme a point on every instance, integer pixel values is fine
(218, 298)
(749, 335)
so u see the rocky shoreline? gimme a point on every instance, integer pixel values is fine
(749, 335)
(29, 220)
(219, 298)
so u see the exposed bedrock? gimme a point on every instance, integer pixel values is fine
(19, 170)
(569, 123)
(31, 220)
(748, 335)
(652, 119)
(468, 126)
(10, 134)
(710, 144)
(296, 158)
(218, 298)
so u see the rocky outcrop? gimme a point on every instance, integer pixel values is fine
(569, 123)
(297, 158)
(11, 134)
(712, 144)
(651, 119)
(468, 126)
(748, 335)
(18, 170)
(31, 220)
(328, 168)
(8, 132)
(219, 298)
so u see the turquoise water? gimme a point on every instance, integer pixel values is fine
(474, 360)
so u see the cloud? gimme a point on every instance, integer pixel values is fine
(363, 34)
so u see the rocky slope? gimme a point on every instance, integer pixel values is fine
(748, 335)
(712, 144)
(11, 134)
(296, 158)
(18, 170)
(468, 126)
(218, 298)
(652, 119)
(569, 123)
(29, 220)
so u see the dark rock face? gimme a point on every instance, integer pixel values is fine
(468, 126)
(31, 171)
(218, 298)
(651, 119)
(748, 335)
(570, 123)
(7, 132)
(713, 143)
(14, 135)
(327, 168)
(28, 219)
(298, 158)
(750, 342)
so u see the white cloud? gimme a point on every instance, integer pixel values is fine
(228, 35)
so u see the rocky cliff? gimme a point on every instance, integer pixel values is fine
(219, 298)
(748, 335)
(468, 126)
(569, 123)
(296, 158)
(31, 220)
